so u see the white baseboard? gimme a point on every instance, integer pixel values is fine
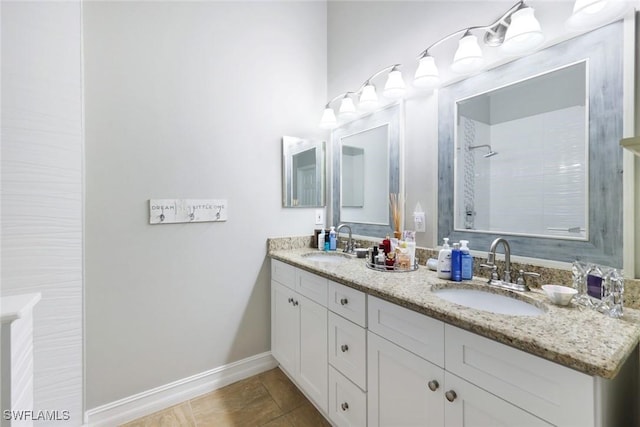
(150, 401)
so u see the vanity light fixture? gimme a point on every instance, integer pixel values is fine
(524, 34)
(347, 107)
(468, 57)
(394, 88)
(368, 98)
(427, 75)
(593, 13)
(516, 31)
(328, 120)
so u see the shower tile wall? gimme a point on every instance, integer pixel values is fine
(513, 189)
(537, 182)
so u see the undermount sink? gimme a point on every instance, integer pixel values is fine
(488, 301)
(327, 257)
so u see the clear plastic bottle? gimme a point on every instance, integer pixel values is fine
(332, 239)
(456, 263)
(444, 260)
(467, 260)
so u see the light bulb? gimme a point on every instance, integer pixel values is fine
(468, 57)
(427, 75)
(347, 108)
(368, 98)
(589, 14)
(328, 120)
(394, 88)
(524, 33)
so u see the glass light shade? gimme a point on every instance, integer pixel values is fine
(524, 33)
(394, 88)
(468, 57)
(328, 120)
(592, 13)
(427, 75)
(347, 108)
(368, 98)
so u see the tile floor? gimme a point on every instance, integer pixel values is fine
(269, 399)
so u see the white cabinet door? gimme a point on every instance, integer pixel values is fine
(313, 365)
(348, 349)
(399, 384)
(469, 406)
(285, 327)
(347, 403)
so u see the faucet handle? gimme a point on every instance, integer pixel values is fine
(522, 274)
(494, 271)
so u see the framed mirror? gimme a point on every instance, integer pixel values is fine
(303, 173)
(559, 215)
(366, 165)
(521, 168)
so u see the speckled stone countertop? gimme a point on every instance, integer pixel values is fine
(586, 340)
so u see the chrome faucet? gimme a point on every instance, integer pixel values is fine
(491, 257)
(349, 246)
(506, 283)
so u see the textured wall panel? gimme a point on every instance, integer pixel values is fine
(42, 190)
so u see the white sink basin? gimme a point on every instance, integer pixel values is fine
(327, 257)
(487, 301)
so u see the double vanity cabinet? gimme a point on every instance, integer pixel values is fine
(365, 361)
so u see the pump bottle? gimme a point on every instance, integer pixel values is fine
(444, 260)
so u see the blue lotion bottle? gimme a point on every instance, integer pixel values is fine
(332, 239)
(456, 263)
(466, 261)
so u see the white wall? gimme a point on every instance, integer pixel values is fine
(189, 99)
(42, 190)
(365, 36)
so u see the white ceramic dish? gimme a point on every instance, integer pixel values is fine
(560, 295)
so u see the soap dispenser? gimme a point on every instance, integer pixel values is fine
(467, 261)
(332, 239)
(444, 260)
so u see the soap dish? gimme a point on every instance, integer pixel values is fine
(560, 295)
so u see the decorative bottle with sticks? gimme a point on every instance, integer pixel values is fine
(394, 205)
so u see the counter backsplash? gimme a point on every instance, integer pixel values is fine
(548, 275)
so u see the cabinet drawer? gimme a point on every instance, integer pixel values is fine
(283, 273)
(348, 303)
(347, 403)
(348, 349)
(413, 331)
(548, 390)
(312, 286)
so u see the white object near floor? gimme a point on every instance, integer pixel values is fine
(16, 313)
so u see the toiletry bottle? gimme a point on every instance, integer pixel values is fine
(326, 240)
(456, 263)
(444, 260)
(467, 261)
(387, 244)
(332, 239)
(381, 257)
(374, 254)
(321, 240)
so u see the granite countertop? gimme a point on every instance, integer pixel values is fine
(584, 340)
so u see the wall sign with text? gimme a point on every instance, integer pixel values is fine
(171, 211)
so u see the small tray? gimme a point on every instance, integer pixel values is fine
(383, 268)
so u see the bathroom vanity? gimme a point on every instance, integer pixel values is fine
(372, 348)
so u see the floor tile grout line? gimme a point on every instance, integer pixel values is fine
(193, 417)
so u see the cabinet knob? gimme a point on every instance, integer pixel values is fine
(451, 395)
(295, 302)
(433, 385)
(344, 301)
(344, 348)
(344, 406)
